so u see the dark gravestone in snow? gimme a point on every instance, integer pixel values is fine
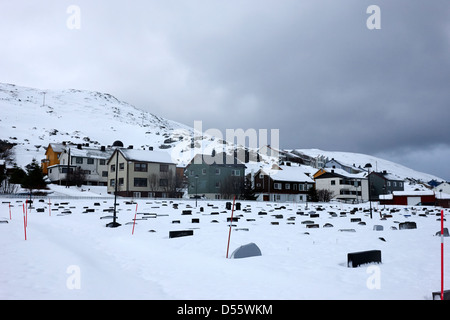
(407, 225)
(355, 259)
(246, 251)
(180, 233)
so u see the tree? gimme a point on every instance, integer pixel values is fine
(231, 186)
(34, 178)
(324, 195)
(77, 177)
(248, 192)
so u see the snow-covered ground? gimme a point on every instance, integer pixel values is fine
(74, 256)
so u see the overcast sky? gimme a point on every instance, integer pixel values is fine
(311, 69)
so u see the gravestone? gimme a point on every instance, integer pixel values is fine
(355, 259)
(437, 295)
(446, 234)
(246, 251)
(407, 225)
(180, 233)
(378, 227)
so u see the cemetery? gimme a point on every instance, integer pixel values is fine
(171, 249)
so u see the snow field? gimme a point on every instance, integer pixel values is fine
(114, 264)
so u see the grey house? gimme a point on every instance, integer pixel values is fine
(384, 183)
(215, 176)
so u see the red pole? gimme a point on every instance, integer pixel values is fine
(231, 222)
(10, 211)
(134, 221)
(24, 226)
(442, 254)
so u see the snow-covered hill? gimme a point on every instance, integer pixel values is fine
(32, 118)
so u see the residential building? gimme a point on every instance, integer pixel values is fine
(283, 183)
(443, 187)
(348, 187)
(215, 176)
(142, 173)
(52, 155)
(409, 198)
(384, 183)
(91, 162)
(334, 164)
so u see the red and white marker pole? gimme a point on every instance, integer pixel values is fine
(442, 254)
(24, 223)
(134, 221)
(10, 211)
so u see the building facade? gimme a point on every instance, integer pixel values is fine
(345, 186)
(142, 173)
(215, 177)
(283, 184)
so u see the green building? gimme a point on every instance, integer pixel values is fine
(215, 176)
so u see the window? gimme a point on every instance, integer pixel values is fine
(163, 182)
(121, 166)
(277, 186)
(112, 182)
(217, 171)
(120, 181)
(113, 168)
(140, 182)
(400, 184)
(217, 184)
(163, 168)
(203, 171)
(287, 186)
(294, 186)
(90, 161)
(333, 183)
(102, 162)
(78, 160)
(235, 173)
(140, 167)
(104, 173)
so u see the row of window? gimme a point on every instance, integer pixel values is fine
(139, 182)
(80, 160)
(234, 173)
(287, 186)
(140, 167)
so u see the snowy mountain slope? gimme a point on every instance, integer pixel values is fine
(33, 118)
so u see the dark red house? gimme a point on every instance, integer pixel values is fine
(409, 198)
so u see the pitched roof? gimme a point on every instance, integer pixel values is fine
(146, 156)
(289, 173)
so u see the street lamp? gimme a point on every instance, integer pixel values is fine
(369, 166)
(196, 185)
(117, 144)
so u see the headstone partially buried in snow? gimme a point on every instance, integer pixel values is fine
(246, 251)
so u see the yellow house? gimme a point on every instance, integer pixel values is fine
(52, 154)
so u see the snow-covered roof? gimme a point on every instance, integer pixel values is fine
(343, 173)
(146, 156)
(289, 173)
(91, 153)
